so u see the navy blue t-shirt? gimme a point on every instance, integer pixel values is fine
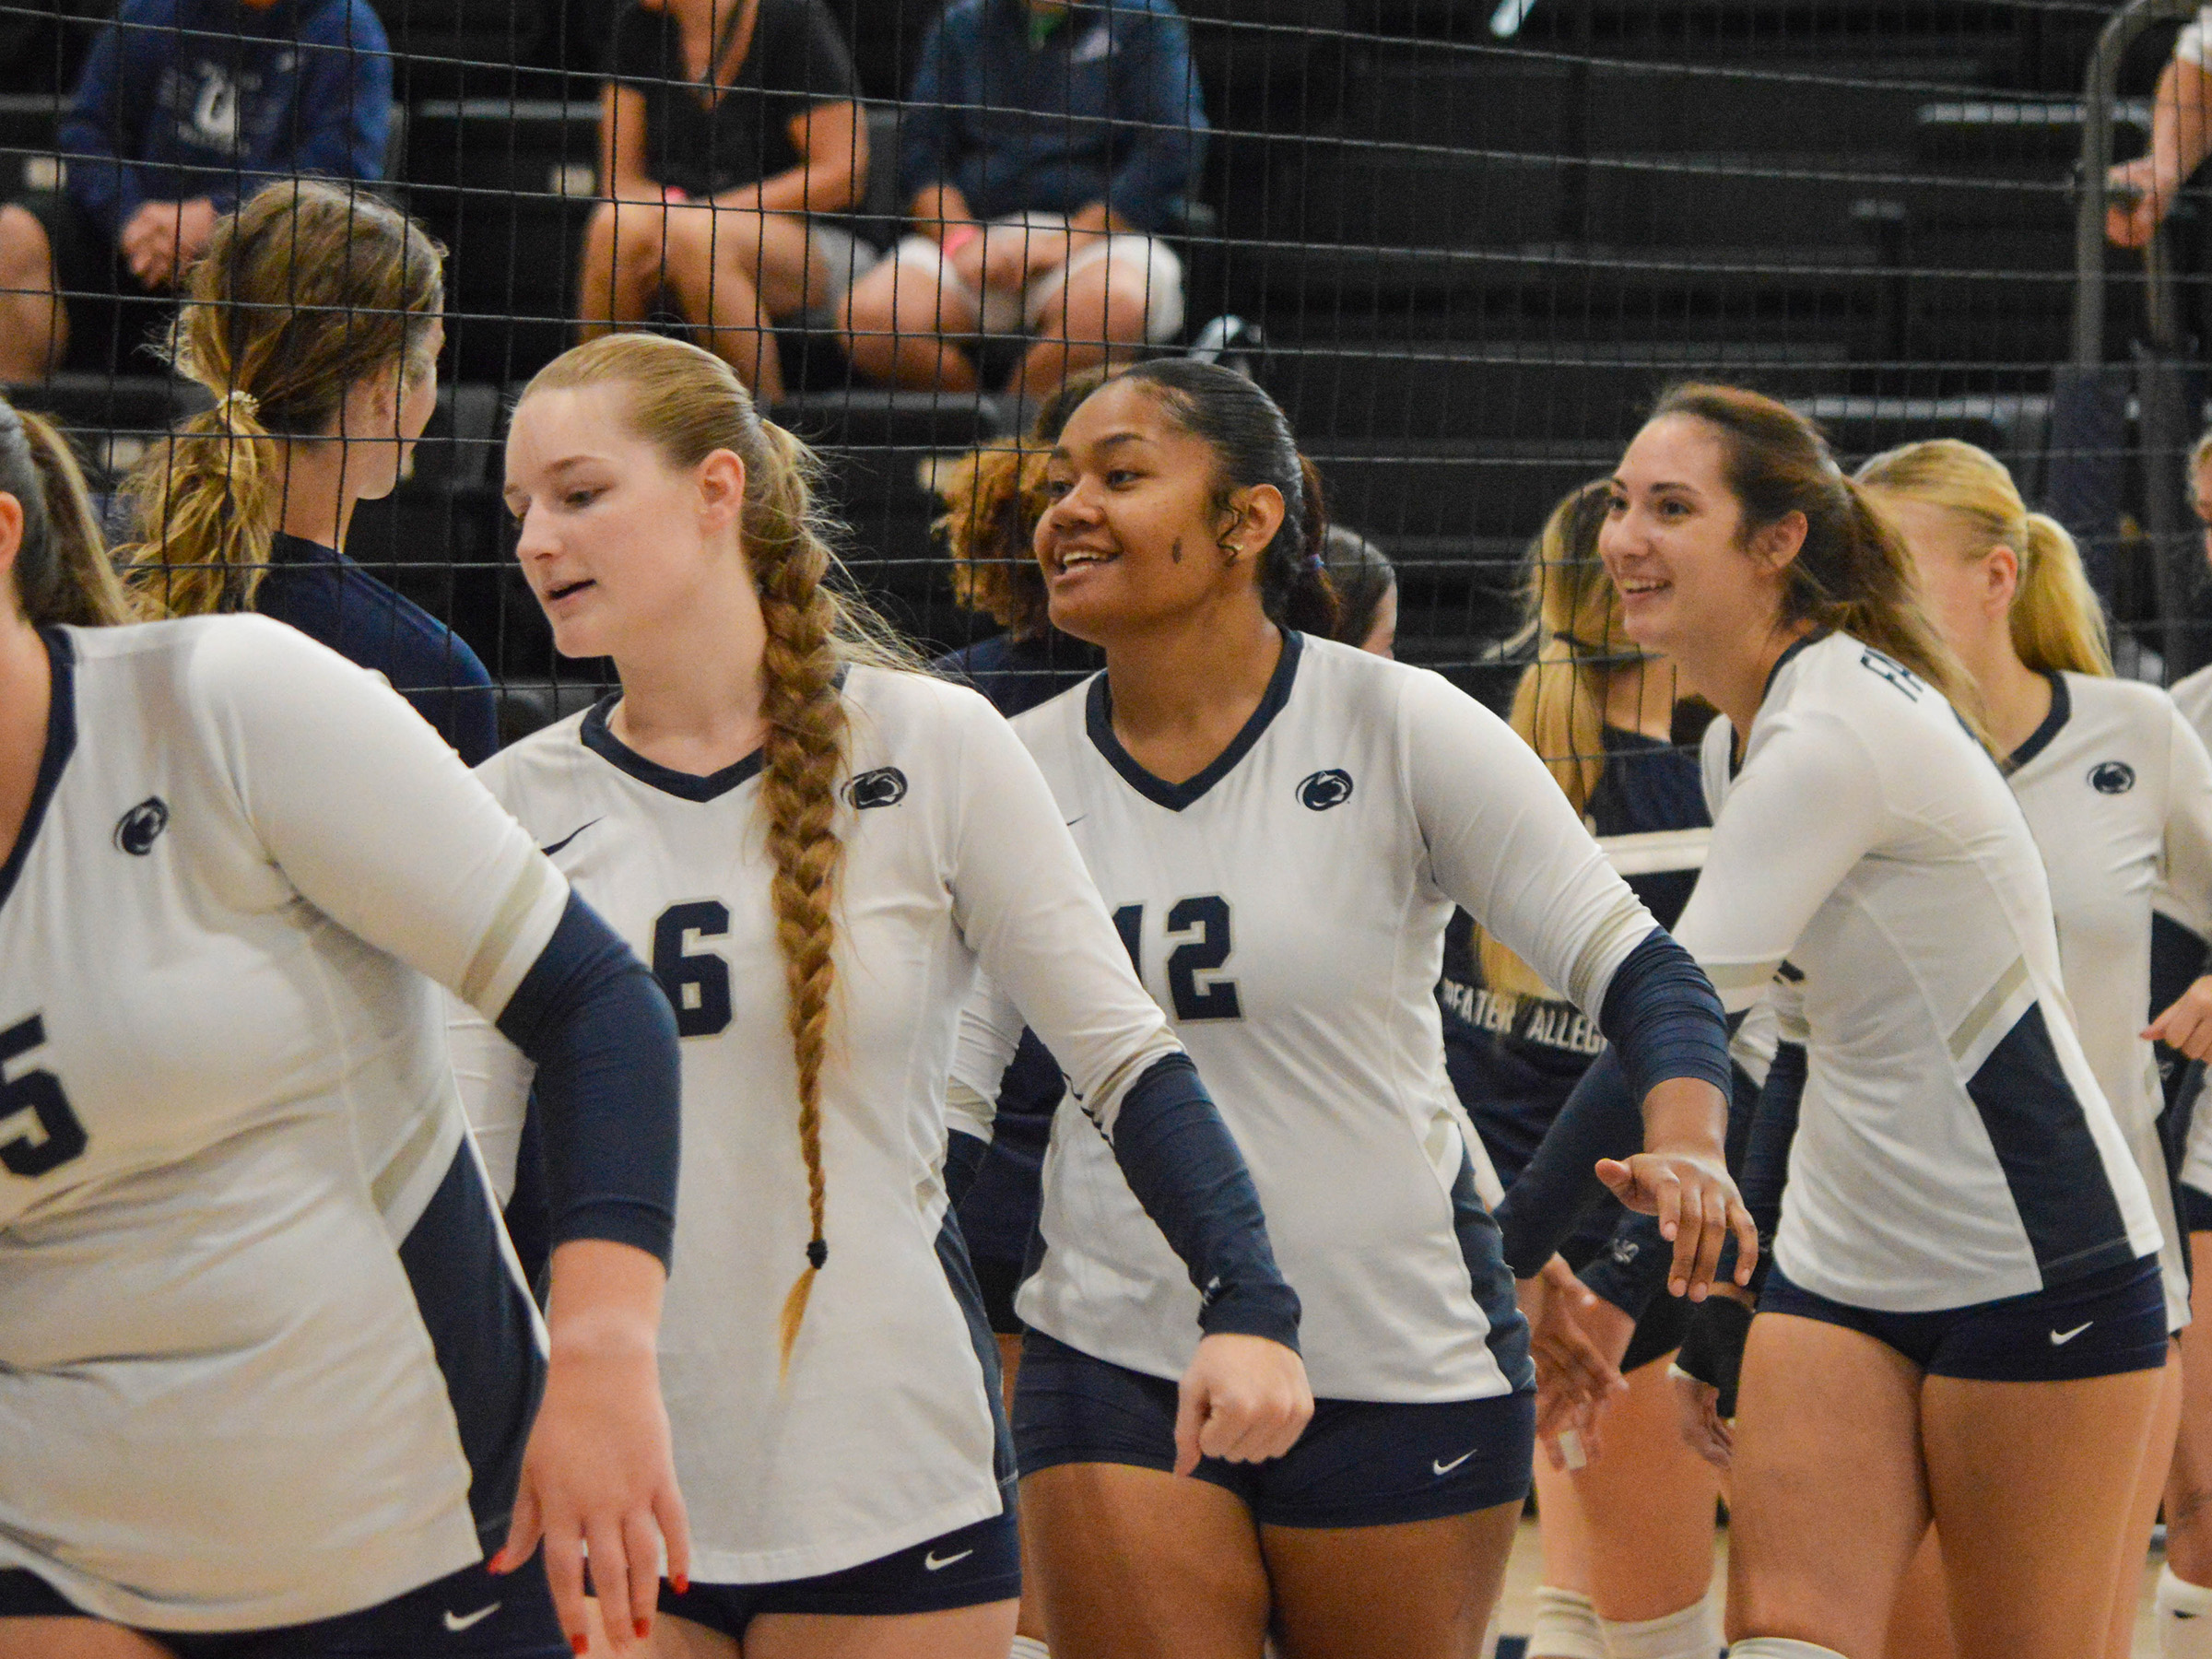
(328, 597)
(1514, 1060)
(1000, 1211)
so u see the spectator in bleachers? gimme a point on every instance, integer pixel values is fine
(729, 136)
(1045, 149)
(314, 320)
(2181, 136)
(184, 108)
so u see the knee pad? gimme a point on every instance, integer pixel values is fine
(1566, 1626)
(2184, 1617)
(1693, 1633)
(1779, 1647)
(1029, 1647)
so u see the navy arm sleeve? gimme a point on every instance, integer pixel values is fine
(1663, 1016)
(1600, 1119)
(602, 1035)
(1185, 1169)
(1773, 1130)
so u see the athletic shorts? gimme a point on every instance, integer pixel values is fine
(1360, 1463)
(1135, 257)
(2099, 1327)
(2196, 1209)
(969, 1568)
(468, 1614)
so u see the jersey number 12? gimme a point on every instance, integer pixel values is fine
(1208, 920)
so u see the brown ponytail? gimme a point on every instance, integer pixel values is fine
(1853, 573)
(305, 290)
(62, 573)
(689, 403)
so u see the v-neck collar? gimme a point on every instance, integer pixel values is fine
(61, 743)
(1099, 719)
(599, 737)
(2062, 711)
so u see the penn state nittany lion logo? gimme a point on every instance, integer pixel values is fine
(142, 825)
(886, 786)
(1324, 790)
(2111, 777)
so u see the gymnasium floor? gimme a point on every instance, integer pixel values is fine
(1522, 1577)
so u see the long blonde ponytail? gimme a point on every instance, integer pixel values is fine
(306, 289)
(2057, 622)
(689, 403)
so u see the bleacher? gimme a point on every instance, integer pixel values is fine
(1473, 257)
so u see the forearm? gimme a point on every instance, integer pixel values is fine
(1188, 1174)
(605, 1300)
(1599, 1120)
(2180, 134)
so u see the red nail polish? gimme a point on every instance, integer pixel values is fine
(644, 1628)
(497, 1564)
(683, 1585)
(582, 1644)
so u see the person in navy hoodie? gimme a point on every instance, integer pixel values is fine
(1043, 151)
(185, 108)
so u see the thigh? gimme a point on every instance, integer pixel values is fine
(1422, 1590)
(982, 1632)
(1829, 1497)
(2189, 1485)
(2032, 1484)
(74, 1639)
(1647, 1503)
(913, 292)
(1136, 1563)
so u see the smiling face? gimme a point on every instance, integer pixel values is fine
(1133, 535)
(1673, 542)
(620, 548)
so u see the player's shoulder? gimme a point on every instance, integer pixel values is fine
(2109, 695)
(911, 704)
(551, 750)
(211, 655)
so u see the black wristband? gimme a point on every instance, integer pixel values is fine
(1712, 1349)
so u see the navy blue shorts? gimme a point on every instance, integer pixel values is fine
(969, 1568)
(469, 1615)
(2099, 1327)
(1360, 1463)
(2196, 1206)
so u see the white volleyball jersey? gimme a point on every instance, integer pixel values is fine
(2118, 791)
(1286, 908)
(1953, 1146)
(883, 1435)
(224, 1099)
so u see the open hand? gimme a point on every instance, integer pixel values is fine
(1697, 1416)
(1698, 1208)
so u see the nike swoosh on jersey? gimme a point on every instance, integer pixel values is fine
(2059, 1340)
(457, 1622)
(931, 1561)
(1441, 1467)
(565, 839)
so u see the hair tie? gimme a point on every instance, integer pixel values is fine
(243, 399)
(1312, 564)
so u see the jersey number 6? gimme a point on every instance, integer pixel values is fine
(1208, 919)
(53, 1135)
(697, 987)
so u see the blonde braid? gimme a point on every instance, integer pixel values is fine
(806, 748)
(688, 404)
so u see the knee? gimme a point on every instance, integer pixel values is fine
(25, 259)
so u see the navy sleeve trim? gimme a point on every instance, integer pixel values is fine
(603, 1036)
(1663, 1016)
(1601, 1119)
(1186, 1170)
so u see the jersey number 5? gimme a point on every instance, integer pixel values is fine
(697, 987)
(1208, 918)
(53, 1136)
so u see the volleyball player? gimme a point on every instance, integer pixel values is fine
(816, 849)
(2118, 791)
(1628, 1536)
(1281, 825)
(313, 322)
(1963, 1318)
(267, 1376)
